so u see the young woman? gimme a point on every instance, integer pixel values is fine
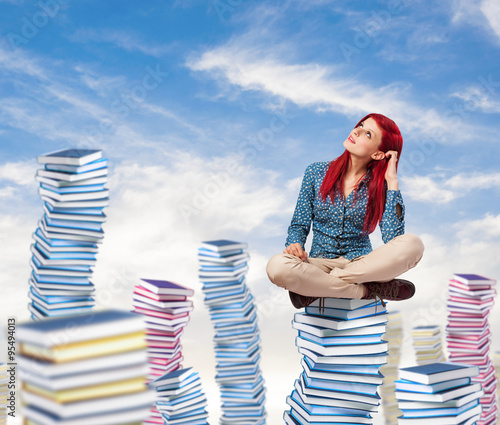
(344, 200)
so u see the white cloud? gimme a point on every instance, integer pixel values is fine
(427, 189)
(438, 188)
(478, 98)
(21, 172)
(248, 64)
(491, 11)
(126, 40)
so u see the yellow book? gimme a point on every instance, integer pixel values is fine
(93, 391)
(86, 349)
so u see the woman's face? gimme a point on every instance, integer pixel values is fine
(364, 140)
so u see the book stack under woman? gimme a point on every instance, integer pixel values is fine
(394, 337)
(342, 347)
(84, 369)
(471, 298)
(223, 267)
(72, 187)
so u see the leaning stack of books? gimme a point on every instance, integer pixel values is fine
(496, 364)
(72, 186)
(3, 393)
(439, 393)
(342, 347)
(165, 308)
(394, 337)
(471, 298)
(180, 397)
(84, 369)
(427, 344)
(223, 267)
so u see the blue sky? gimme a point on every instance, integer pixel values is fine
(210, 111)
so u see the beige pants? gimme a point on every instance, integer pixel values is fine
(342, 278)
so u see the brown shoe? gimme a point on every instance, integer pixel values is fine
(394, 290)
(300, 301)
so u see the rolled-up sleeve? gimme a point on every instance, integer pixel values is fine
(302, 216)
(392, 224)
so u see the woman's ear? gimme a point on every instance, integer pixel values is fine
(378, 155)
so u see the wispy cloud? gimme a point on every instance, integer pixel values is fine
(127, 40)
(491, 11)
(477, 98)
(246, 64)
(440, 189)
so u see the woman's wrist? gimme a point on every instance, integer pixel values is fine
(392, 184)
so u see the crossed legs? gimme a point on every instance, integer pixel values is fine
(342, 278)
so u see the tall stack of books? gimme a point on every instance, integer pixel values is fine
(394, 337)
(470, 301)
(3, 393)
(342, 347)
(439, 393)
(165, 308)
(72, 187)
(223, 267)
(427, 344)
(496, 363)
(84, 369)
(180, 397)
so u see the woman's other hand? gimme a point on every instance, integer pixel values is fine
(391, 176)
(296, 250)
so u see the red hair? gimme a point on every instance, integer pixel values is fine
(333, 183)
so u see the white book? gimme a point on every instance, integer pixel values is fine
(71, 156)
(71, 177)
(62, 183)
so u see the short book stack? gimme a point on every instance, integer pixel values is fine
(439, 394)
(342, 347)
(3, 393)
(223, 267)
(84, 369)
(180, 398)
(427, 344)
(471, 298)
(165, 308)
(72, 187)
(394, 337)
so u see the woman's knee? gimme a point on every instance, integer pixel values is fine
(414, 247)
(275, 266)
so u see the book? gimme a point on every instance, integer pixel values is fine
(403, 385)
(72, 156)
(166, 287)
(438, 372)
(223, 245)
(78, 169)
(473, 279)
(441, 396)
(473, 412)
(102, 324)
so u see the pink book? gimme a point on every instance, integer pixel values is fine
(164, 333)
(471, 288)
(158, 297)
(471, 300)
(162, 361)
(160, 314)
(162, 344)
(166, 287)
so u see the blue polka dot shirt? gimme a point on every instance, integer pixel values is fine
(338, 226)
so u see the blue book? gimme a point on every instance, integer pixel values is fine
(438, 372)
(222, 245)
(73, 156)
(402, 385)
(346, 340)
(99, 324)
(78, 169)
(469, 416)
(73, 189)
(438, 411)
(341, 386)
(336, 313)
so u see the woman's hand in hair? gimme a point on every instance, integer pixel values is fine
(391, 176)
(296, 250)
